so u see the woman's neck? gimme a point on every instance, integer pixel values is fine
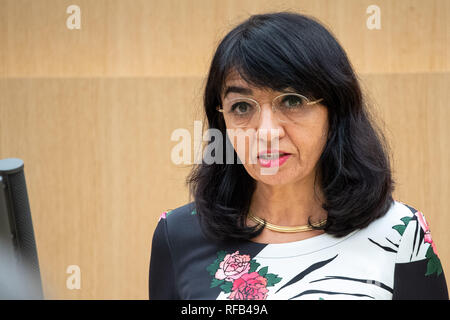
(289, 204)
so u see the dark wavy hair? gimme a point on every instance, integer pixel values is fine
(286, 49)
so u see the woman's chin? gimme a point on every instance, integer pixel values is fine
(273, 176)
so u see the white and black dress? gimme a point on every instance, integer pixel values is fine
(393, 258)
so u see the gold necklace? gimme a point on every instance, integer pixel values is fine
(274, 227)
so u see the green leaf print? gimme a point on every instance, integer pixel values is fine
(212, 268)
(262, 272)
(253, 266)
(221, 254)
(401, 227)
(215, 282)
(226, 287)
(406, 220)
(272, 279)
(434, 263)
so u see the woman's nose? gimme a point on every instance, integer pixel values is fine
(269, 127)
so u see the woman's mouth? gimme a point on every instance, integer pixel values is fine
(268, 160)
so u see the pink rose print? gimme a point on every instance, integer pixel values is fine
(233, 266)
(162, 216)
(250, 286)
(425, 227)
(165, 214)
(236, 274)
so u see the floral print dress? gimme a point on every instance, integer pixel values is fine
(393, 258)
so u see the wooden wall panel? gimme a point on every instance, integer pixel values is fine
(177, 37)
(91, 113)
(99, 173)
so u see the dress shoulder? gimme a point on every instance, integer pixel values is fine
(418, 270)
(180, 212)
(183, 227)
(416, 242)
(175, 231)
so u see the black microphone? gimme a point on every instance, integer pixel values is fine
(19, 265)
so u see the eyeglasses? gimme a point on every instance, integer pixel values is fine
(244, 112)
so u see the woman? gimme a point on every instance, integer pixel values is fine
(322, 224)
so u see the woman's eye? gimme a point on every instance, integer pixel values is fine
(240, 107)
(293, 101)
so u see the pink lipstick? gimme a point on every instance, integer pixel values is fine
(273, 158)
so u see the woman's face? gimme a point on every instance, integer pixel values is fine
(303, 141)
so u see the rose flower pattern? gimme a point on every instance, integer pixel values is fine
(434, 264)
(251, 286)
(233, 267)
(236, 274)
(426, 229)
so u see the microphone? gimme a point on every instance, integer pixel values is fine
(19, 265)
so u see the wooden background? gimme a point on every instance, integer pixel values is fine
(91, 112)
